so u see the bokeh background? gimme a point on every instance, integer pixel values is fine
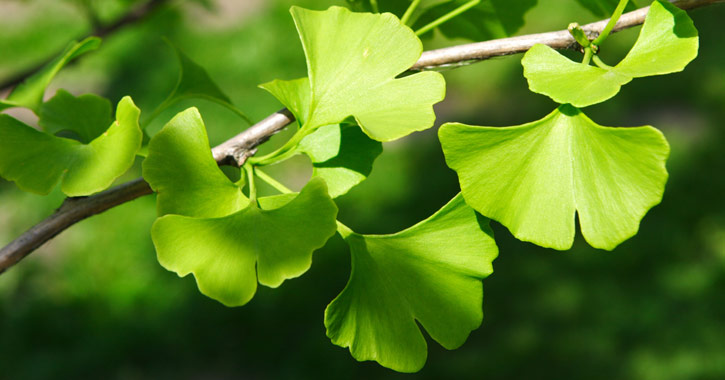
(94, 302)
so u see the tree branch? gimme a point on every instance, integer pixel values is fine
(242, 146)
(131, 17)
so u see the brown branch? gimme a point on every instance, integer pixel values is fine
(135, 15)
(237, 149)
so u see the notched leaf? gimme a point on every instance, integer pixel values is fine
(667, 42)
(222, 253)
(534, 177)
(354, 74)
(430, 273)
(37, 161)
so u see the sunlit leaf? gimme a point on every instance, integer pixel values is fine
(533, 178)
(87, 116)
(341, 153)
(182, 170)
(222, 252)
(354, 74)
(29, 94)
(667, 43)
(36, 161)
(430, 274)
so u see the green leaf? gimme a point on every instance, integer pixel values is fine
(488, 20)
(534, 177)
(566, 81)
(29, 94)
(354, 74)
(222, 252)
(87, 116)
(182, 170)
(667, 43)
(36, 161)
(430, 273)
(294, 94)
(194, 81)
(340, 153)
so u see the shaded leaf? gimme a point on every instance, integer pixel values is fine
(36, 161)
(222, 252)
(342, 155)
(534, 177)
(430, 273)
(29, 94)
(667, 43)
(87, 116)
(489, 19)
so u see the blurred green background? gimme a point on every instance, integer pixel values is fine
(94, 303)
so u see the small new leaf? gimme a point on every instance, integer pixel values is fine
(534, 177)
(36, 161)
(430, 273)
(667, 42)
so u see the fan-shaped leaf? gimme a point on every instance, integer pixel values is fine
(36, 161)
(222, 252)
(534, 177)
(667, 43)
(354, 74)
(430, 273)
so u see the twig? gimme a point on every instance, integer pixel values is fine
(131, 17)
(237, 149)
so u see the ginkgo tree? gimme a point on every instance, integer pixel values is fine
(536, 179)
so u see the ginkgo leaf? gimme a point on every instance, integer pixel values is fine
(487, 20)
(222, 252)
(86, 116)
(36, 161)
(29, 94)
(354, 74)
(341, 153)
(534, 177)
(430, 274)
(182, 170)
(194, 81)
(667, 42)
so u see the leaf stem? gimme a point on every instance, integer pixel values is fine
(249, 171)
(409, 12)
(374, 4)
(447, 17)
(598, 61)
(283, 152)
(612, 22)
(588, 53)
(272, 182)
